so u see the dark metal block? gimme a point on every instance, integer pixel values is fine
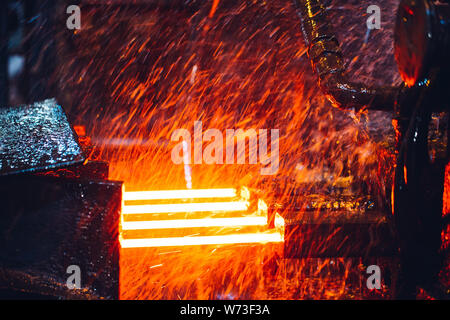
(336, 222)
(4, 92)
(37, 137)
(48, 224)
(338, 234)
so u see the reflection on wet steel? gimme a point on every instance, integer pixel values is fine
(35, 138)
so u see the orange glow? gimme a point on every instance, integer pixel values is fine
(186, 207)
(196, 241)
(213, 8)
(258, 218)
(194, 223)
(179, 194)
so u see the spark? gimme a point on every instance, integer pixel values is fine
(213, 8)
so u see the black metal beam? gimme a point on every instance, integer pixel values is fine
(48, 224)
(40, 50)
(4, 91)
(338, 234)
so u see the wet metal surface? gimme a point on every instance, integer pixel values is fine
(48, 224)
(36, 137)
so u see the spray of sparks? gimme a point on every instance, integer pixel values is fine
(132, 76)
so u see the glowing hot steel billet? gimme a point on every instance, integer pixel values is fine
(209, 240)
(180, 194)
(186, 207)
(223, 206)
(194, 223)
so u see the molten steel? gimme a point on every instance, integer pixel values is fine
(179, 194)
(196, 241)
(171, 195)
(186, 207)
(194, 223)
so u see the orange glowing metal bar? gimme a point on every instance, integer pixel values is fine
(186, 207)
(180, 194)
(209, 240)
(242, 205)
(194, 223)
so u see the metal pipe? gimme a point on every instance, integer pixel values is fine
(327, 61)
